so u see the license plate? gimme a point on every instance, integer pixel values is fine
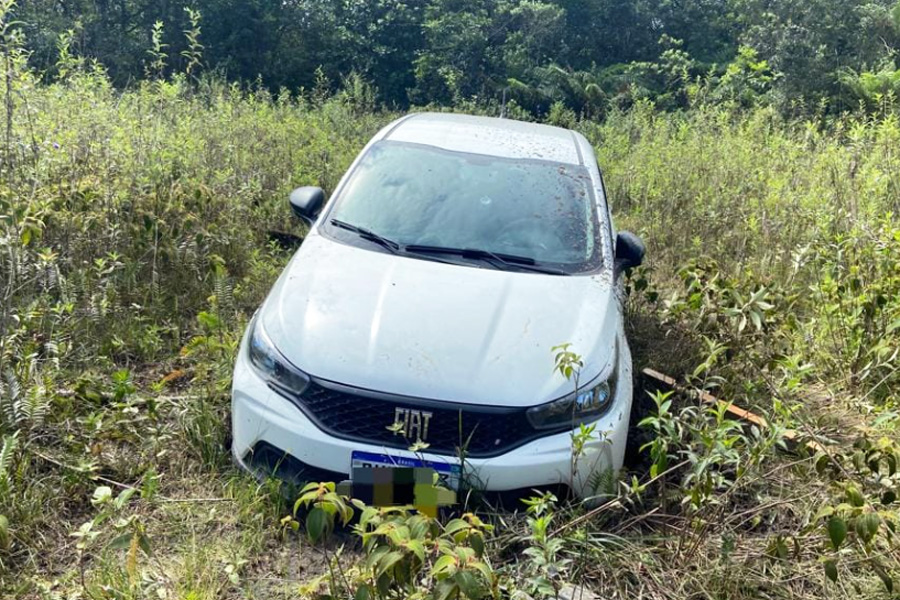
(448, 473)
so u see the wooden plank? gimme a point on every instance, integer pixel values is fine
(732, 409)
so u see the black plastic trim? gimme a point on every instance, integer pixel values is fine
(268, 460)
(417, 402)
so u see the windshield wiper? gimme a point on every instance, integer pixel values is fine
(498, 260)
(526, 263)
(366, 234)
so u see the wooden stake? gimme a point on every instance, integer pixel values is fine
(732, 409)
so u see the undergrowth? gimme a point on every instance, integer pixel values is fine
(140, 228)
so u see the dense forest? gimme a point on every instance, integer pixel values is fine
(591, 55)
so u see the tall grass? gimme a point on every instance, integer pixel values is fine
(139, 227)
(747, 188)
(803, 213)
(120, 208)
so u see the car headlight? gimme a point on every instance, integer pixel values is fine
(588, 404)
(270, 364)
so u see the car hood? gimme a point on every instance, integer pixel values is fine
(433, 330)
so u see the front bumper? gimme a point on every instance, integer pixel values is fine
(260, 416)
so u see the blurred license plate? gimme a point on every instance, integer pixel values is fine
(448, 473)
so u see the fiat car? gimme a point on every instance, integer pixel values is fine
(418, 323)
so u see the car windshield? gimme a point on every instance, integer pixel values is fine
(424, 196)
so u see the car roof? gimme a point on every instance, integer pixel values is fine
(487, 135)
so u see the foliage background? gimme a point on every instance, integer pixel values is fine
(593, 55)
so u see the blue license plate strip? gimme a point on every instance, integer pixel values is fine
(448, 473)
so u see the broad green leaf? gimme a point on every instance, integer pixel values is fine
(102, 495)
(892, 463)
(317, 524)
(124, 497)
(445, 564)
(144, 544)
(837, 531)
(417, 548)
(855, 496)
(867, 526)
(4, 533)
(831, 570)
(896, 324)
(757, 320)
(419, 526)
(781, 550)
(120, 542)
(825, 511)
(444, 589)
(309, 487)
(375, 556)
(477, 543)
(469, 584)
(455, 525)
(387, 562)
(485, 571)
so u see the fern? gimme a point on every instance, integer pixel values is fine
(10, 443)
(191, 256)
(20, 408)
(35, 406)
(10, 390)
(223, 288)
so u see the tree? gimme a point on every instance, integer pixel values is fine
(809, 44)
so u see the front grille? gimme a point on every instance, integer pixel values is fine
(365, 416)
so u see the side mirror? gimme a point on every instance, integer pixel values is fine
(306, 202)
(629, 251)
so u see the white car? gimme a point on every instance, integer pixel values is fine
(422, 309)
